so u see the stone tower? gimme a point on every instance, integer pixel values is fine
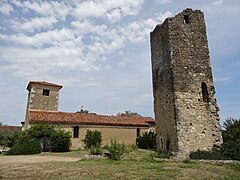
(42, 96)
(185, 108)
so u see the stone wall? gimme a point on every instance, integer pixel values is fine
(38, 101)
(185, 108)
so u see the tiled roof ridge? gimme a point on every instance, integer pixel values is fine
(44, 83)
(37, 116)
(62, 112)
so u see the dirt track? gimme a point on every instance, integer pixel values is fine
(34, 159)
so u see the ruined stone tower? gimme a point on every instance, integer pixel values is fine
(185, 108)
(42, 96)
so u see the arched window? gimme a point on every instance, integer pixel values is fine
(205, 92)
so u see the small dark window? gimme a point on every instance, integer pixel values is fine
(75, 132)
(157, 73)
(186, 19)
(46, 92)
(205, 92)
(138, 132)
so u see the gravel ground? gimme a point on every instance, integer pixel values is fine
(34, 159)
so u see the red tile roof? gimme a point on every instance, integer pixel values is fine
(86, 119)
(10, 128)
(43, 83)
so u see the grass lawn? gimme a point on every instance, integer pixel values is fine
(134, 165)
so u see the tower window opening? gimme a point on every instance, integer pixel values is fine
(45, 92)
(186, 19)
(157, 73)
(75, 132)
(205, 94)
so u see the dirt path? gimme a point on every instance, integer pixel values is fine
(34, 159)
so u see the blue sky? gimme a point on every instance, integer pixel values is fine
(99, 51)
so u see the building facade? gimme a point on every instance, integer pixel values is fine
(185, 107)
(42, 107)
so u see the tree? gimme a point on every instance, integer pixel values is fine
(1, 124)
(128, 113)
(231, 138)
(147, 141)
(60, 141)
(8, 138)
(83, 110)
(93, 139)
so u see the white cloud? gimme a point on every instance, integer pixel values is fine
(5, 8)
(44, 8)
(163, 1)
(40, 39)
(37, 23)
(223, 78)
(218, 3)
(32, 63)
(113, 10)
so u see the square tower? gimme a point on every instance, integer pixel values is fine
(42, 96)
(185, 108)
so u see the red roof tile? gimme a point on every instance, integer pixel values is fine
(10, 128)
(86, 119)
(43, 83)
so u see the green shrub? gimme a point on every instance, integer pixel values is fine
(116, 150)
(130, 148)
(41, 130)
(210, 155)
(93, 139)
(60, 141)
(96, 151)
(161, 154)
(28, 145)
(147, 141)
(9, 138)
(231, 139)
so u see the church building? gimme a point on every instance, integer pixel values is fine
(42, 107)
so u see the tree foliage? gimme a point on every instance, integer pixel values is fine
(60, 141)
(147, 140)
(8, 138)
(41, 130)
(231, 138)
(116, 150)
(49, 138)
(128, 113)
(27, 145)
(83, 110)
(92, 139)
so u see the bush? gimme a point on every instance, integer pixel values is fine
(60, 141)
(9, 138)
(116, 150)
(28, 145)
(147, 141)
(96, 151)
(231, 139)
(210, 155)
(93, 139)
(41, 130)
(161, 154)
(130, 148)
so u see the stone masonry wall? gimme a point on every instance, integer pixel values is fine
(163, 89)
(192, 94)
(40, 102)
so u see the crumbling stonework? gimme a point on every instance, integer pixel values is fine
(185, 108)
